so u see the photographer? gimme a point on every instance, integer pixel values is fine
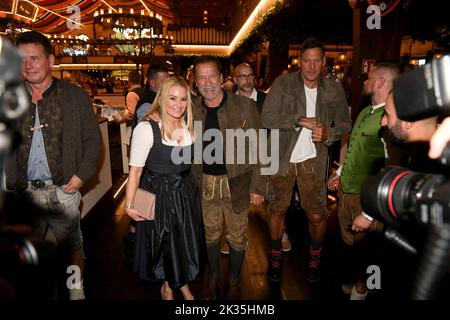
(407, 131)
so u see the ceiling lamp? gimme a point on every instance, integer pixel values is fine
(132, 33)
(342, 57)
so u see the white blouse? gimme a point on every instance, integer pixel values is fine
(142, 142)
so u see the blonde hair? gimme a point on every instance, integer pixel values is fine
(159, 107)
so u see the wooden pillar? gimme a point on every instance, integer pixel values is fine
(278, 59)
(381, 44)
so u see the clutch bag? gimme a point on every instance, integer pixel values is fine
(144, 202)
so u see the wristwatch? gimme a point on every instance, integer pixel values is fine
(129, 206)
(297, 123)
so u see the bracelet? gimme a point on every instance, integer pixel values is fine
(129, 206)
(367, 216)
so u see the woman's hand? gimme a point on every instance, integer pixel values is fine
(134, 214)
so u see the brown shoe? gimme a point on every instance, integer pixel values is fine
(234, 289)
(211, 293)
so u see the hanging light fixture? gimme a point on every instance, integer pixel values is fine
(342, 57)
(133, 33)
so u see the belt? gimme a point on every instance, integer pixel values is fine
(39, 184)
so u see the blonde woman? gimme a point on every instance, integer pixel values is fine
(167, 248)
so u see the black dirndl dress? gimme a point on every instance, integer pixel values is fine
(168, 248)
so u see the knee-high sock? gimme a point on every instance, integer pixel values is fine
(213, 258)
(236, 259)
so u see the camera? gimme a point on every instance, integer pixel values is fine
(405, 199)
(424, 92)
(400, 196)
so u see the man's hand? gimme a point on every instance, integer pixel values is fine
(333, 182)
(256, 199)
(319, 132)
(308, 123)
(439, 139)
(361, 223)
(73, 185)
(152, 116)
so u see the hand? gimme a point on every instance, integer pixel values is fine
(333, 182)
(152, 116)
(256, 199)
(134, 214)
(308, 123)
(440, 139)
(361, 223)
(319, 132)
(73, 185)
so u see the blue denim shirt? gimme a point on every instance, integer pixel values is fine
(38, 168)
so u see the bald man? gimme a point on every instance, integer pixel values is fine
(245, 81)
(365, 157)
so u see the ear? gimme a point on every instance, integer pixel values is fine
(408, 125)
(51, 60)
(380, 82)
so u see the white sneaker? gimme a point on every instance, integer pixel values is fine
(77, 294)
(224, 247)
(347, 288)
(355, 295)
(285, 243)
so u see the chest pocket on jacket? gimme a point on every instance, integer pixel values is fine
(331, 111)
(289, 104)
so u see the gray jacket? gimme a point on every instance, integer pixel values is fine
(286, 102)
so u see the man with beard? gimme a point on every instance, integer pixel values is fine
(365, 157)
(245, 81)
(406, 131)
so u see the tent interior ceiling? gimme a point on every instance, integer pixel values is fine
(51, 13)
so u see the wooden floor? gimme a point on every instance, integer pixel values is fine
(107, 276)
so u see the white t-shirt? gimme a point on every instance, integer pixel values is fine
(142, 142)
(304, 148)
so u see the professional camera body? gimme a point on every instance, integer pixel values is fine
(401, 197)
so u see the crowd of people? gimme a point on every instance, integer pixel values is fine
(181, 151)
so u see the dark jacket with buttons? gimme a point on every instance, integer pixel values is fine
(71, 134)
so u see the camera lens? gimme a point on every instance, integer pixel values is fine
(392, 195)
